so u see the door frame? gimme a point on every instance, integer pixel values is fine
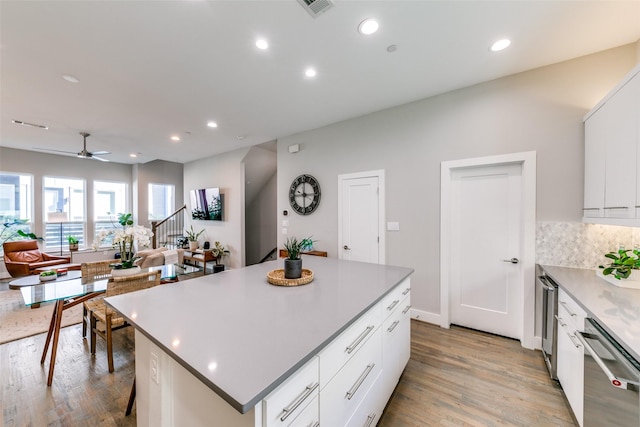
(528, 238)
(379, 173)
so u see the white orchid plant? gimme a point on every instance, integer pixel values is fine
(125, 239)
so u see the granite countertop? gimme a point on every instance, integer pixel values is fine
(253, 333)
(616, 309)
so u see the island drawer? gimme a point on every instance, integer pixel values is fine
(290, 399)
(392, 300)
(310, 415)
(342, 396)
(347, 344)
(570, 312)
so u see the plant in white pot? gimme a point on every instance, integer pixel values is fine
(192, 236)
(293, 262)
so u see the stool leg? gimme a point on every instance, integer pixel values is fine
(132, 397)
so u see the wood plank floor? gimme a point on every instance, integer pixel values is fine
(455, 377)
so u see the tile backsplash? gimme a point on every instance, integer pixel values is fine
(574, 244)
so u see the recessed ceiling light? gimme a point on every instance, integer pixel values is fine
(70, 78)
(262, 44)
(368, 26)
(134, 155)
(310, 72)
(212, 124)
(500, 45)
(175, 138)
(392, 48)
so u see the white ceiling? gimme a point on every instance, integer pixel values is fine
(152, 69)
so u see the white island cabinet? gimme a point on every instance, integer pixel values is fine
(232, 350)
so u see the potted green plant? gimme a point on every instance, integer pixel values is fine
(192, 236)
(73, 243)
(219, 252)
(293, 262)
(623, 263)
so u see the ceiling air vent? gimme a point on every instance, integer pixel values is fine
(316, 7)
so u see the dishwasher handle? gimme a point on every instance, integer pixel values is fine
(545, 284)
(613, 380)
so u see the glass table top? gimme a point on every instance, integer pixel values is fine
(75, 288)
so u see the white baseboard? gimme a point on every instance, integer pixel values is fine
(425, 316)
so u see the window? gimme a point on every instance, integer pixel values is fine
(16, 203)
(109, 199)
(64, 207)
(161, 201)
(15, 196)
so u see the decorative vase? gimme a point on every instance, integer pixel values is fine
(193, 245)
(121, 272)
(293, 268)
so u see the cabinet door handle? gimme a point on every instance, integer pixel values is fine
(316, 424)
(407, 308)
(571, 313)
(406, 291)
(301, 398)
(370, 419)
(358, 340)
(616, 207)
(361, 379)
(393, 304)
(393, 326)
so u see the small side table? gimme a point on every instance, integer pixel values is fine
(199, 256)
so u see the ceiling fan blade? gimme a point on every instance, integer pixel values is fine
(100, 153)
(99, 158)
(54, 151)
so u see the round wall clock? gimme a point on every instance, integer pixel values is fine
(304, 194)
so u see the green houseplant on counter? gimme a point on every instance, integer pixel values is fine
(293, 262)
(622, 264)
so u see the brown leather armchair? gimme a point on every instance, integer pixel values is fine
(23, 256)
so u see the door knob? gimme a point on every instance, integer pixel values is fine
(512, 260)
(346, 248)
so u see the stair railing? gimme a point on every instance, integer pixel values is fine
(166, 231)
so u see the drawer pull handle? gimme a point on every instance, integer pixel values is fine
(573, 340)
(370, 418)
(316, 424)
(616, 207)
(358, 340)
(571, 313)
(407, 308)
(406, 291)
(393, 326)
(361, 379)
(559, 319)
(301, 398)
(393, 304)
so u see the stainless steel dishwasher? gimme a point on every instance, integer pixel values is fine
(548, 313)
(611, 379)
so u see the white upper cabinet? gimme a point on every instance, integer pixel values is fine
(612, 156)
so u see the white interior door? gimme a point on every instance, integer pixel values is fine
(485, 273)
(361, 218)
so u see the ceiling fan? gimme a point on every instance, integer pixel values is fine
(84, 154)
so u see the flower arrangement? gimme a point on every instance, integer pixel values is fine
(125, 238)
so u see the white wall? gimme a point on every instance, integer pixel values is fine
(261, 220)
(539, 110)
(226, 172)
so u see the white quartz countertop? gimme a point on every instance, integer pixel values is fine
(242, 336)
(616, 309)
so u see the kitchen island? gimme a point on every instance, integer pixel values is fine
(232, 350)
